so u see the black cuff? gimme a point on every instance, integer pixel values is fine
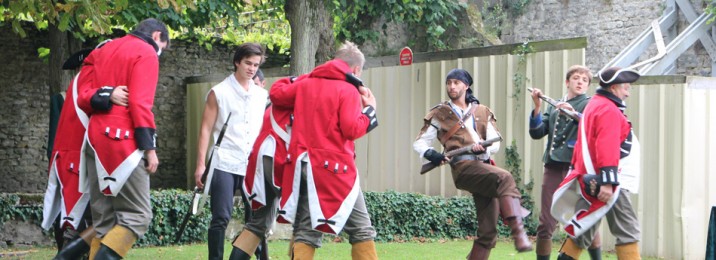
(146, 138)
(434, 157)
(608, 175)
(369, 111)
(292, 78)
(100, 99)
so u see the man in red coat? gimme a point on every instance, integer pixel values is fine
(63, 198)
(121, 151)
(605, 154)
(320, 189)
(262, 185)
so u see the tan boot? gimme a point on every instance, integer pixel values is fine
(544, 248)
(94, 246)
(302, 251)
(364, 250)
(569, 250)
(119, 239)
(478, 252)
(512, 213)
(628, 251)
(244, 245)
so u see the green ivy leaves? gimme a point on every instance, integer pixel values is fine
(396, 216)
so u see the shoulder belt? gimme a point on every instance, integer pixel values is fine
(457, 126)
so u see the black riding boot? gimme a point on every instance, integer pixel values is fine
(216, 244)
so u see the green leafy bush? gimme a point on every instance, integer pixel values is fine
(396, 216)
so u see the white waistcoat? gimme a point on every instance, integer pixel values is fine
(247, 110)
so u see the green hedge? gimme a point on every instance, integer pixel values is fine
(396, 216)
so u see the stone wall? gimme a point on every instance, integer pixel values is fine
(24, 113)
(609, 25)
(24, 106)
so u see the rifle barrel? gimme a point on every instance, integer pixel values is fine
(573, 114)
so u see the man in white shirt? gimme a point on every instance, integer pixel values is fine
(462, 122)
(239, 96)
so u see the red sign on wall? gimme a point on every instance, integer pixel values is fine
(406, 56)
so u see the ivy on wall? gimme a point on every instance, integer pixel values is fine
(498, 15)
(426, 18)
(519, 78)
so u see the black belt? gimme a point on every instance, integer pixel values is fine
(464, 157)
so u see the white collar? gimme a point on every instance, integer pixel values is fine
(239, 88)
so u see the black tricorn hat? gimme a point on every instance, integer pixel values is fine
(75, 60)
(616, 75)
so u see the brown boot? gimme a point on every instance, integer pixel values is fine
(478, 252)
(569, 250)
(628, 251)
(302, 251)
(244, 245)
(544, 248)
(118, 240)
(512, 213)
(94, 246)
(364, 250)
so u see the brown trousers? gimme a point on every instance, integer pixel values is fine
(553, 175)
(486, 183)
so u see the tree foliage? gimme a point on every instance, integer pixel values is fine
(187, 18)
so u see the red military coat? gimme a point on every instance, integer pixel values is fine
(327, 120)
(66, 164)
(119, 134)
(609, 138)
(273, 142)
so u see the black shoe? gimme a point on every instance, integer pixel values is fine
(106, 253)
(75, 249)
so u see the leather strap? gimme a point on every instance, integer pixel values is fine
(457, 126)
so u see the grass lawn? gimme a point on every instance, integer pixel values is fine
(449, 249)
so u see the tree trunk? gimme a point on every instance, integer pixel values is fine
(327, 39)
(62, 44)
(309, 21)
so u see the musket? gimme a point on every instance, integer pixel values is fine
(573, 114)
(459, 151)
(198, 192)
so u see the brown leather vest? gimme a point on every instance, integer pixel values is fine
(444, 114)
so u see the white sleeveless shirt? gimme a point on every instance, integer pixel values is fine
(247, 111)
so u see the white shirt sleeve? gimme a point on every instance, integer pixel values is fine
(495, 147)
(425, 141)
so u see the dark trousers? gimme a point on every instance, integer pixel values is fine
(223, 187)
(487, 183)
(554, 173)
